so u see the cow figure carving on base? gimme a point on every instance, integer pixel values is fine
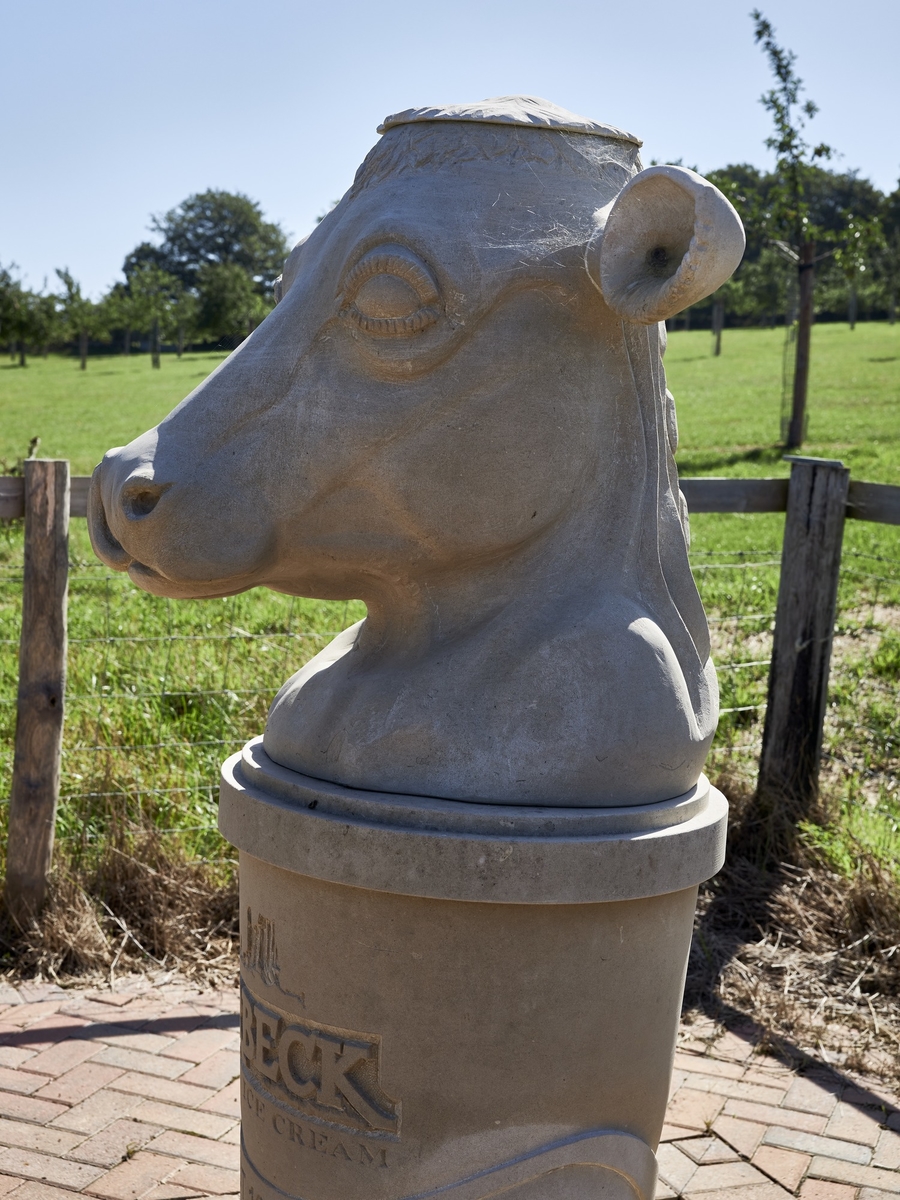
(458, 413)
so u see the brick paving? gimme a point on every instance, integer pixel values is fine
(132, 1094)
(744, 1126)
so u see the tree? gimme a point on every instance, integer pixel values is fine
(757, 289)
(225, 256)
(14, 315)
(791, 209)
(143, 254)
(82, 318)
(761, 290)
(184, 313)
(863, 240)
(888, 255)
(229, 302)
(123, 313)
(44, 324)
(214, 228)
(154, 295)
(765, 288)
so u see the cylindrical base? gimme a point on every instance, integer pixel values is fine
(394, 1045)
(491, 1037)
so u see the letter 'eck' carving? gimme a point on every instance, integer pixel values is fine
(458, 414)
(325, 1072)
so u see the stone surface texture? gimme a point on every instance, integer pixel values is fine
(121, 1146)
(458, 413)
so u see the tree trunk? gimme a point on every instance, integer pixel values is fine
(807, 271)
(22, 362)
(83, 348)
(852, 306)
(718, 323)
(892, 308)
(180, 347)
(687, 319)
(154, 343)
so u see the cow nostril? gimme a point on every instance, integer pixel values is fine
(140, 498)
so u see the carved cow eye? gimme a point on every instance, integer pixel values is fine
(390, 293)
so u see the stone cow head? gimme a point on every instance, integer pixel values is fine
(458, 413)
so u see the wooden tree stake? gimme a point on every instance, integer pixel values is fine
(42, 681)
(804, 625)
(807, 271)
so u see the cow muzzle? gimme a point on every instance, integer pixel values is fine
(120, 505)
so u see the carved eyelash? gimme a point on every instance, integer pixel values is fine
(402, 265)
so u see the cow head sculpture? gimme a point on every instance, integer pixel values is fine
(458, 413)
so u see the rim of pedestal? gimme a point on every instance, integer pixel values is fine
(453, 850)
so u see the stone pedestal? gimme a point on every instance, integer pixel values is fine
(456, 999)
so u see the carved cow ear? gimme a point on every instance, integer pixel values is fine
(670, 239)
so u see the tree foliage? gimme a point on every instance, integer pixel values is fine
(224, 255)
(229, 304)
(840, 205)
(215, 228)
(794, 155)
(83, 319)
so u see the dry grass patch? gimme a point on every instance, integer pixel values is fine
(810, 953)
(141, 905)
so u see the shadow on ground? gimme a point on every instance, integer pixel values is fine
(780, 939)
(701, 461)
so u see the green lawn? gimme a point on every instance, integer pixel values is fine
(729, 418)
(728, 407)
(79, 414)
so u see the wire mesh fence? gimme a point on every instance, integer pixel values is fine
(159, 692)
(862, 728)
(739, 589)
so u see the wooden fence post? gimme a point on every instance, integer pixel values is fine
(804, 625)
(42, 681)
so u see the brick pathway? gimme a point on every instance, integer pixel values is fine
(743, 1126)
(133, 1093)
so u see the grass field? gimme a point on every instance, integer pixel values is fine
(79, 414)
(160, 692)
(729, 415)
(728, 407)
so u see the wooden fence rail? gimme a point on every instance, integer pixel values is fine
(865, 501)
(12, 494)
(818, 498)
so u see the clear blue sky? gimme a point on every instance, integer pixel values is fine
(115, 109)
